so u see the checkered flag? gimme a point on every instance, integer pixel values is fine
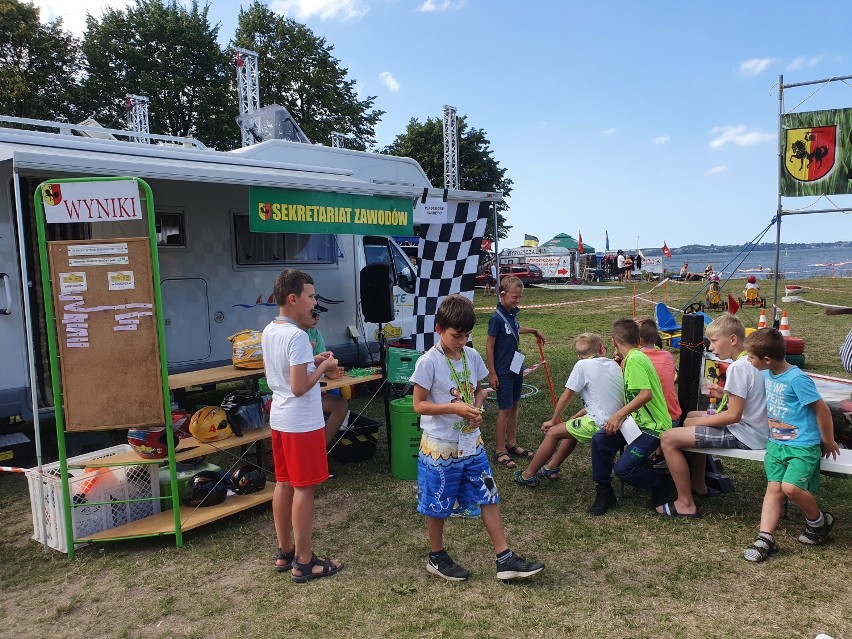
(447, 260)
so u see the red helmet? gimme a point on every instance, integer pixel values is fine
(148, 443)
(752, 279)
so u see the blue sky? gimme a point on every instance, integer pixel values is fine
(654, 120)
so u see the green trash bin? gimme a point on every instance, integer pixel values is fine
(405, 438)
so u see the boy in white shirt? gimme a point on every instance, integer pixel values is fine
(298, 426)
(599, 383)
(452, 464)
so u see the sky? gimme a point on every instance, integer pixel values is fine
(653, 122)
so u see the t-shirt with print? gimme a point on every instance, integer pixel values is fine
(286, 345)
(505, 329)
(598, 382)
(664, 365)
(432, 372)
(747, 383)
(792, 421)
(317, 342)
(639, 374)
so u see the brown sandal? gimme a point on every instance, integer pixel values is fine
(502, 457)
(517, 451)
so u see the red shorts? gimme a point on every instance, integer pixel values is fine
(300, 458)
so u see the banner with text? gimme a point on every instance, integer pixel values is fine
(297, 211)
(817, 153)
(97, 201)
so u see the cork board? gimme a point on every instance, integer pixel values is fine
(109, 354)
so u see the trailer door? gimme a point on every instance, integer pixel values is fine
(13, 373)
(186, 313)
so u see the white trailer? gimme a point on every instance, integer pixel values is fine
(557, 263)
(216, 275)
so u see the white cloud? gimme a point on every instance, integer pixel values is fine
(389, 81)
(661, 139)
(755, 66)
(717, 169)
(804, 62)
(323, 9)
(609, 131)
(441, 5)
(74, 19)
(739, 134)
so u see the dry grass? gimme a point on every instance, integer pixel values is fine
(627, 574)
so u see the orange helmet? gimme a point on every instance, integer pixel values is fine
(210, 424)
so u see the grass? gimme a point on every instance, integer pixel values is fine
(627, 574)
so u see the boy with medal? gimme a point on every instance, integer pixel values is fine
(452, 464)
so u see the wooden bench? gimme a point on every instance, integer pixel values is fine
(843, 463)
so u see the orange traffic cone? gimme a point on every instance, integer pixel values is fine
(785, 324)
(761, 323)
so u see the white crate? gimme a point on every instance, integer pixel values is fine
(90, 485)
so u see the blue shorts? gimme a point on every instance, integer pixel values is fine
(509, 392)
(443, 478)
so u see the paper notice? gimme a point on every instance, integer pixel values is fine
(121, 280)
(119, 248)
(72, 283)
(630, 429)
(98, 261)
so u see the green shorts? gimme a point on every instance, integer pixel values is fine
(582, 428)
(797, 465)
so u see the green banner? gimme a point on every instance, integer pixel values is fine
(297, 211)
(816, 151)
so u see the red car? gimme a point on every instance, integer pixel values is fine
(527, 273)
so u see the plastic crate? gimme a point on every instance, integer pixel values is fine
(91, 485)
(401, 362)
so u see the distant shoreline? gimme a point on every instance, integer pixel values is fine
(734, 248)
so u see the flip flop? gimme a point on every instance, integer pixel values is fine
(711, 492)
(669, 510)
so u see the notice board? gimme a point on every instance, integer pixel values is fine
(109, 355)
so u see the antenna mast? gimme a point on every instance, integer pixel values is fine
(451, 145)
(137, 116)
(248, 85)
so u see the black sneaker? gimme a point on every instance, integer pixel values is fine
(445, 567)
(604, 500)
(516, 567)
(661, 492)
(813, 536)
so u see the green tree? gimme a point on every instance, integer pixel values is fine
(298, 71)
(39, 65)
(168, 53)
(478, 170)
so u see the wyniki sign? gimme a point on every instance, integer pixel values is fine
(107, 201)
(296, 211)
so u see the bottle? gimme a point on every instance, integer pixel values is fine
(711, 409)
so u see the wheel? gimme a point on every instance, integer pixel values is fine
(762, 303)
(724, 306)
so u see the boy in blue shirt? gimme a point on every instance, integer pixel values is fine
(452, 464)
(506, 369)
(801, 431)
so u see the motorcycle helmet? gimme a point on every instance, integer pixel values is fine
(210, 424)
(180, 423)
(244, 410)
(714, 278)
(752, 279)
(206, 488)
(148, 443)
(248, 479)
(247, 351)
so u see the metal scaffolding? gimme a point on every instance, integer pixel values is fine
(451, 146)
(248, 85)
(136, 107)
(338, 140)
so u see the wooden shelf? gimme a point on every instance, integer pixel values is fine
(164, 523)
(212, 376)
(186, 449)
(346, 380)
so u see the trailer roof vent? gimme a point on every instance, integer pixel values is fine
(272, 122)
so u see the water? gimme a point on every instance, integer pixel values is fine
(795, 263)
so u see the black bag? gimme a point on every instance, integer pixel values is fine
(245, 411)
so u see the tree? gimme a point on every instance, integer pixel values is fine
(298, 72)
(168, 53)
(478, 170)
(39, 65)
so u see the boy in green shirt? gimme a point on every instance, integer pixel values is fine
(645, 405)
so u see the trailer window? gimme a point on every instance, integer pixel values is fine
(170, 229)
(275, 248)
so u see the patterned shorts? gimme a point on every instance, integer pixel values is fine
(709, 437)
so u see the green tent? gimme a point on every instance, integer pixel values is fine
(566, 241)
